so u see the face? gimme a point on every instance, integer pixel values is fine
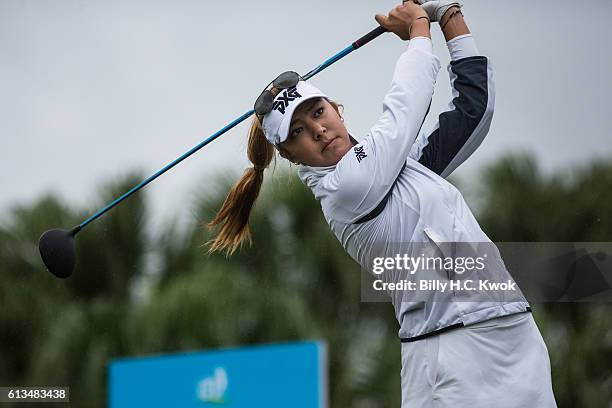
(317, 136)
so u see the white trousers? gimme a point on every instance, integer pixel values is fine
(499, 363)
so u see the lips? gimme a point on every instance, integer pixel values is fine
(327, 144)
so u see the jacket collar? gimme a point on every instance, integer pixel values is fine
(311, 175)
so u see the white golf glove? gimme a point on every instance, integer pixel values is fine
(436, 8)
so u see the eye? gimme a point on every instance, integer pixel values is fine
(295, 132)
(319, 112)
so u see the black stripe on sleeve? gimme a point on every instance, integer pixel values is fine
(458, 125)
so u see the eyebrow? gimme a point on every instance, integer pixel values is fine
(308, 110)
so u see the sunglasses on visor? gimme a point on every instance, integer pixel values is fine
(265, 102)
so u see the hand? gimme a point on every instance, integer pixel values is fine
(437, 8)
(401, 18)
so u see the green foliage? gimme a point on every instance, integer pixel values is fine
(294, 282)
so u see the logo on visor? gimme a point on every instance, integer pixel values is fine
(283, 100)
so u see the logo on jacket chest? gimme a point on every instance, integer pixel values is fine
(359, 153)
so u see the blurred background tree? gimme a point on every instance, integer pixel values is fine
(138, 294)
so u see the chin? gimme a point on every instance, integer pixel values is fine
(339, 154)
(345, 147)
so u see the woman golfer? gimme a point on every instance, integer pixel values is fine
(459, 348)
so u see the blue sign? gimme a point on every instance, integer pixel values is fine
(284, 375)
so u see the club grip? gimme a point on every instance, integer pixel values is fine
(369, 37)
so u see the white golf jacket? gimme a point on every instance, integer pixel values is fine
(390, 188)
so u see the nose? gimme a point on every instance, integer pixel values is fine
(319, 131)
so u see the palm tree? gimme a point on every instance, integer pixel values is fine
(62, 332)
(294, 282)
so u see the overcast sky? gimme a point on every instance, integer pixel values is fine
(92, 89)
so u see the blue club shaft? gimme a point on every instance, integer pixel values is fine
(360, 42)
(166, 168)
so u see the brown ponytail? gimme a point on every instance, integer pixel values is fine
(235, 211)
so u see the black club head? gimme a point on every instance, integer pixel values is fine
(57, 251)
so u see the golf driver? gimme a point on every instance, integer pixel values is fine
(56, 246)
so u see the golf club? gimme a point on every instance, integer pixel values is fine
(56, 246)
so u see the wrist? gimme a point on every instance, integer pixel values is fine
(420, 27)
(452, 12)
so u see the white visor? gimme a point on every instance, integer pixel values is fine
(276, 123)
